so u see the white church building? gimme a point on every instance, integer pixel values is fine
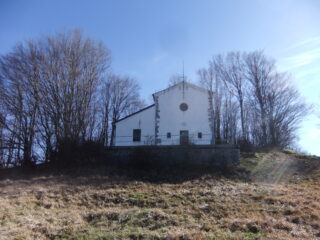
(180, 115)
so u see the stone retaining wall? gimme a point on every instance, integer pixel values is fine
(200, 155)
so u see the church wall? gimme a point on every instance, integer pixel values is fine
(173, 120)
(143, 120)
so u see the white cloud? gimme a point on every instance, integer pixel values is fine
(301, 59)
(305, 43)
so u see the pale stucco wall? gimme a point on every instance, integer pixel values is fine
(170, 118)
(173, 120)
(143, 120)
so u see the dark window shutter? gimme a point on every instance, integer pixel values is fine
(136, 137)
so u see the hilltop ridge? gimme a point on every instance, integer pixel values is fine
(271, 195)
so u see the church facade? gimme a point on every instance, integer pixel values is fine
(180, 115)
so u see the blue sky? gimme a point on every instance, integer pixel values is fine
(150, 39)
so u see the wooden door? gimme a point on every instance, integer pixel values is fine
(184, 137)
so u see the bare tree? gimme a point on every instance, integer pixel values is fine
(276, 105)
(50, 93)
(269, 106)
(19, 72)
(285, 110)
(72, 72)
(105, 112)
(259, 72)
(2, 143)
(232, 71)
(212, 80)
(123, 98)
(2, 121)
(229, 117)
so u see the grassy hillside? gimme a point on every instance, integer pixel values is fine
(272, 195)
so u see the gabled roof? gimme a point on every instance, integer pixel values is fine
(141, 110)
(178, 84)
(165, 90)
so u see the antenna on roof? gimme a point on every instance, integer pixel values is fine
(183, 79)
(182, 71)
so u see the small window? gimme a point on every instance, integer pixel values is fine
(169, 135)
(199, 134)
(136, 137)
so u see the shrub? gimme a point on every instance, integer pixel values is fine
(73, 153)
(245, 145)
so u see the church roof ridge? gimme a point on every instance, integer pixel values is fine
(134, 113)
(179, 83)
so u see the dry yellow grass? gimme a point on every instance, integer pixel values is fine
(272, 195)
